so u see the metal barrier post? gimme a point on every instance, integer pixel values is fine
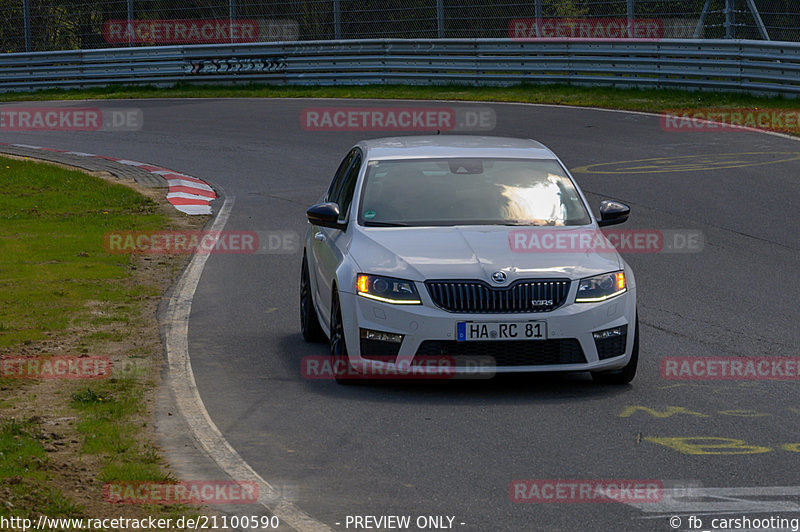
(630, 19)
(231, 16)
(702, 21)
(337, 20)
(26, 13)
(440, 18)
(130, 23)
(730, 32)
(762, 29)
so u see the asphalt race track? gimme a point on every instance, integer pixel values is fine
(452, 449)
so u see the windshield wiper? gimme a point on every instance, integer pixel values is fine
(517, 223)
(384, 224)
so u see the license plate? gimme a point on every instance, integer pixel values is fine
(467, 331)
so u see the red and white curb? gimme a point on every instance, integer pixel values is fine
(186, 193)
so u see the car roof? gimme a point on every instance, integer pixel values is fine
(422, 146)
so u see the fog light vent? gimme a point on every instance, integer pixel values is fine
(378, 345)
(611, 342)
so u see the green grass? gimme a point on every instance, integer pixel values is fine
(632, 99)
(54, 271)
(106, 409)
(23, 463)
(22, 453)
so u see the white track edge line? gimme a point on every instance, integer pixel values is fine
(183, 384)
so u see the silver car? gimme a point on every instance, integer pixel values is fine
(469, 250)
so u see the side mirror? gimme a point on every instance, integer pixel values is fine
(612, 213)
(325, 215)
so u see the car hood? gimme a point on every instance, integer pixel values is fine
(472, 252)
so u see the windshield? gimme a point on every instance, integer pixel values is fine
(472, 191)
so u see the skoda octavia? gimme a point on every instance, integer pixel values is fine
(465, 249)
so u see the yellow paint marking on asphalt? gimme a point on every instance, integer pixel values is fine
(743, 413)
(669, 411)
(689, 163)
(717, 388)
(709, 445)
(670, 386)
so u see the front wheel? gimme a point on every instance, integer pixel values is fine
(626, 374)
(309, 323)
(342, 371)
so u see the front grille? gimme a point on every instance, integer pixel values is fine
(505, 353)
(525, 295)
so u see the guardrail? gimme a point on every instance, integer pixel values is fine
(733, 65)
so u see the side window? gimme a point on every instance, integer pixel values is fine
(345, 196)
(336, 184)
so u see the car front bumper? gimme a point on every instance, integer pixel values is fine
(430, 332)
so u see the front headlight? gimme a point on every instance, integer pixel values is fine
(601, 287)
(387, 289)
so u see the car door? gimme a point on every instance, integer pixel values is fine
(328, 244)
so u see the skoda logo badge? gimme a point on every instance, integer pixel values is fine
(499, 277)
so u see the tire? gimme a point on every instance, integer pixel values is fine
(626, 374)
(309, 323)
(339, 357)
